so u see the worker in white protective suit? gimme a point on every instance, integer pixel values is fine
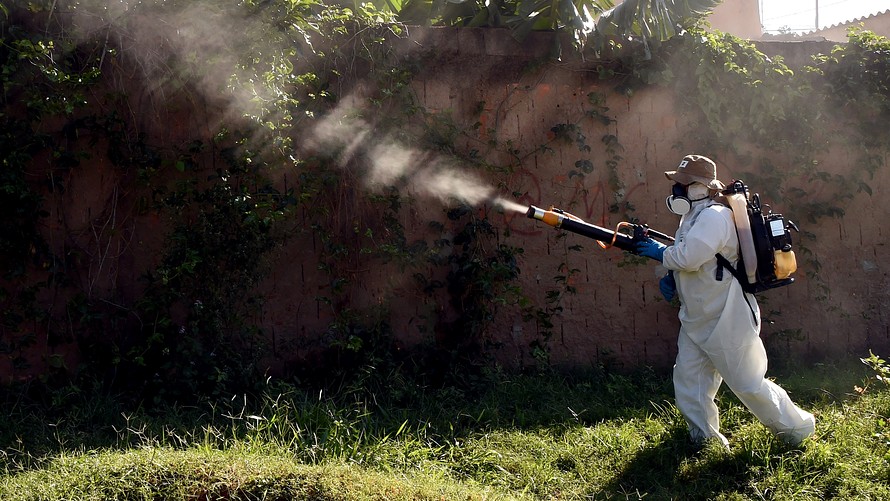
(719, 336)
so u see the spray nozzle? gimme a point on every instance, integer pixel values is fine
(563, 220)
(553, 217)
(534, 212)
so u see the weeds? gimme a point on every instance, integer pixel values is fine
(542, 436)
(879, 366)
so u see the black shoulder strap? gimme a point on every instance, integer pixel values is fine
(722, 262)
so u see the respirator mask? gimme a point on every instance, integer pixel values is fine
(682, 195)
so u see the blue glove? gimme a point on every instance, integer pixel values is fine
(668, 286)
(651, 249)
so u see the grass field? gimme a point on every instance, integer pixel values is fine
(542, 436)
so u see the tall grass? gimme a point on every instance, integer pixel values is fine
(384, 436)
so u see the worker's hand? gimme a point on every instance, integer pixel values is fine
(668, 286)
(651, 249)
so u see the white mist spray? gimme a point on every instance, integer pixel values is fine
(510, 205)
(217, 35)
(388, 162)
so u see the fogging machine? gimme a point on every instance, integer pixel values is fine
(561, 219)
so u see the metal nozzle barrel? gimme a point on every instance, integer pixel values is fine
(559, 219)
(551, 217)
(535, 212)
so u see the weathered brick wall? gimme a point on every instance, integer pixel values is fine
(616, 317)
(505, 97)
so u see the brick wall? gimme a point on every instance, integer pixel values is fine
(617, 317)
(502, 94)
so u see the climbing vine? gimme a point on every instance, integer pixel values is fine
(777, 124)
(745, 99)
(37, 85)
(227, 202)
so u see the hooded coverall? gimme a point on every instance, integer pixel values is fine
(719, 336)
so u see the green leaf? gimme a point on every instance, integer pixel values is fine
(585, 165)
(653, 19)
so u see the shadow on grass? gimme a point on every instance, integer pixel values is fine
(675, 468)
(83, 419)
(42, 424)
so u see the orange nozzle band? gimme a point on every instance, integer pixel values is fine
(551, 218)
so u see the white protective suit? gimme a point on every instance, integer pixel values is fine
(720, 333)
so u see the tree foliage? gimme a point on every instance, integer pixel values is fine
(582, 19)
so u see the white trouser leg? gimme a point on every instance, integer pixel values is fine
(696, 382)
(744, 370)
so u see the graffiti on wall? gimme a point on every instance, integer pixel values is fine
(590, 202)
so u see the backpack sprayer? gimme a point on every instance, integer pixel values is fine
(765, 245)
(766, 260)
(561, 219)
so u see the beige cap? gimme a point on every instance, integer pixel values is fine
(696, 169)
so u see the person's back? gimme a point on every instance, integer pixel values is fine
(719, 335)
(705, 291)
